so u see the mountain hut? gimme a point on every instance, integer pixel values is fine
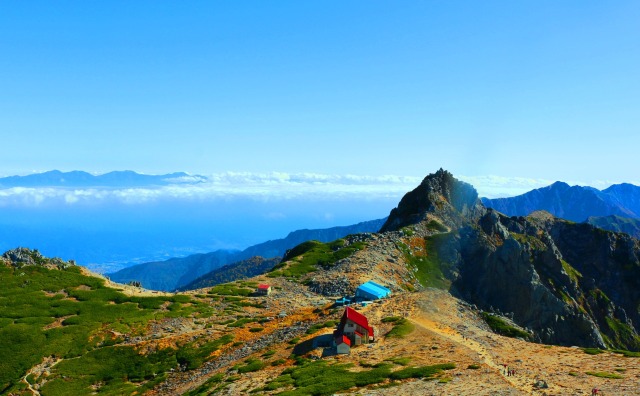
(263, 290)
(371, 291)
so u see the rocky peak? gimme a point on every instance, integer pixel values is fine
(440, 195)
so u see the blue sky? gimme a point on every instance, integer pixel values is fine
(541, 90)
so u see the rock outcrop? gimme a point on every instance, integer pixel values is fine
(21, 257)
(452, 201)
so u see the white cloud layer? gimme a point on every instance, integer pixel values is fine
(265, 186)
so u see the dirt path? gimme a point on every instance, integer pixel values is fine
(518, 382)
(29, 387)
(38, 371)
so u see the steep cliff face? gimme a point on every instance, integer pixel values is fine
(570, 284)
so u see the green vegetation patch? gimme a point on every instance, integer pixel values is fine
(192, 355)
(421, 372)
(626, 353)
(573, 273)
(621, 335)
(231, 289)
(604, 374)
(206, 388)
(62, 313)
(319, 378)
(117, 370)
(401, 326)
(425, 259)
(319, 326)
(592, 351)
(500, 326)
(242, 321)
(250, 365)
(310, 255)
(530, 240)
(402, 361)
(435, 225)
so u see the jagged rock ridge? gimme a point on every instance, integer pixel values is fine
(570, 284)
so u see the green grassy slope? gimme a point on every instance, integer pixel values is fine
(66, 315)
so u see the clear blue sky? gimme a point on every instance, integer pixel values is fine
(539, 89)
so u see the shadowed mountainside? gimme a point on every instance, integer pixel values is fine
(231, 272)
(617, 224)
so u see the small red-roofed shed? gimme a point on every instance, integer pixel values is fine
(264, 289)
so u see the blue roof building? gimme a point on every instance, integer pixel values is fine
(371, 291)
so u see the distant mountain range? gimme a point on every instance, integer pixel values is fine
(176, 273)
(573, 203)
(126, 178)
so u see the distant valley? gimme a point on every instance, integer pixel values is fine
(177, 273)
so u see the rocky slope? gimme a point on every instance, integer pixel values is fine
(574, 203)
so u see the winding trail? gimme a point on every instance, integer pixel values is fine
(520, 383)
(29, 387)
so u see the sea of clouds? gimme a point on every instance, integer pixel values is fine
(267, 186)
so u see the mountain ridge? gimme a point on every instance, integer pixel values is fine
(575, 203)
(126, 178)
